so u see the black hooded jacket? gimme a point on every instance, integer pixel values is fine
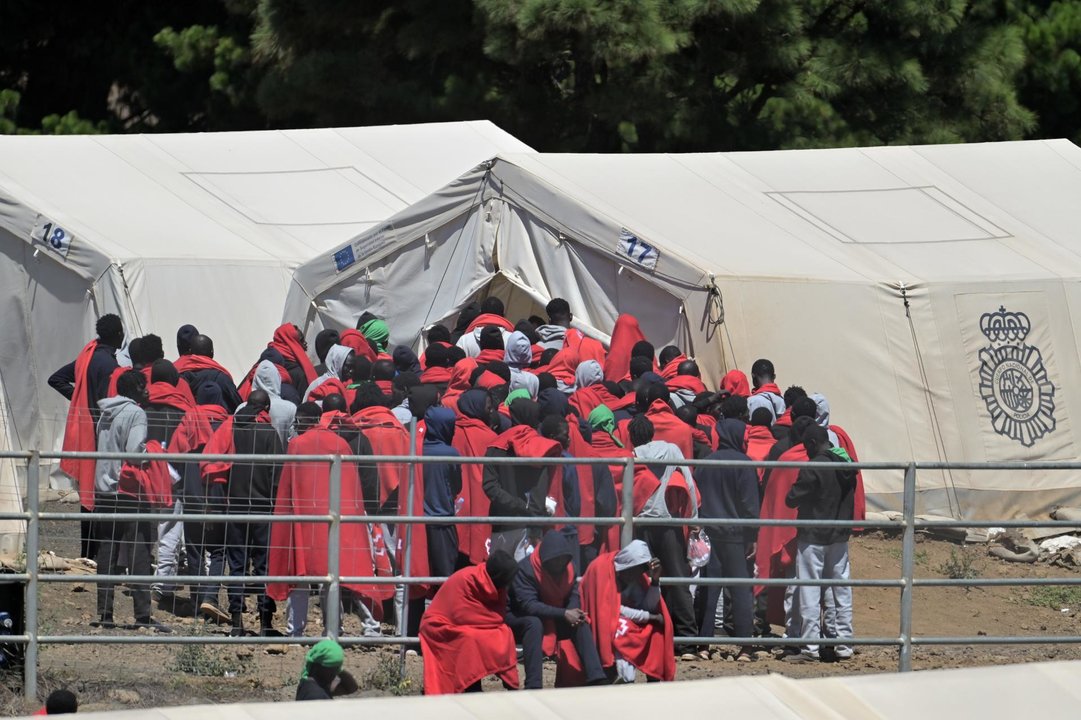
(254, 486)
(525, 590)
(824, 494)
(727, 492)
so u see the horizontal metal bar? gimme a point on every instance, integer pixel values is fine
(782, 641)
(1064, 525)
(159, 639)
(1000, 640)
(768, 522)
(183, 579)
(169, 516)
(784, 582)
(994, 582)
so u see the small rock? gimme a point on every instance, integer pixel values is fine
(981, 633)
(1043, 627)
(277, 649)
(78, 588)
(128, 697)
(870, 607)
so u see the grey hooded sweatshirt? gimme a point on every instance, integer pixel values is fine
(282, 412)
(654, 454)
(518, 355)
(822, 405)
(551, 336)
(121, 429)
(336, 358)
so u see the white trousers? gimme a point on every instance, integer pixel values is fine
(822, 562)
(170, 545)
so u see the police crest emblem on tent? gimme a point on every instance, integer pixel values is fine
(1013, 380)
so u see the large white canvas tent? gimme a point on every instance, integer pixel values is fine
(928, 292)
(192, 228)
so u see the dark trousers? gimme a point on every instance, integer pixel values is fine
(668, 545)
(529, 631)
(88, 545)
(728, 560)
(136, 538)
(247, 545)
(442, 562)
(442, 549)
(200, 540)
(590, 552)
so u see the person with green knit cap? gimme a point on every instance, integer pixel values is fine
(323, 677)
(602, 419)
(520, 393)
(374, 329)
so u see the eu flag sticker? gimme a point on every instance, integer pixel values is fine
(344, 258)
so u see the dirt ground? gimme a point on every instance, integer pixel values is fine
(118, 676)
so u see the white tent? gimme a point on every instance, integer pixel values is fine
(199, 228)
(926, 291)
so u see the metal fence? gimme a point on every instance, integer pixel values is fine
(33, 577)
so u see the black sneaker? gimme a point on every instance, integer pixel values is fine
(103, 622)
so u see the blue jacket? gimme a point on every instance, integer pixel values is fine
(442, 481)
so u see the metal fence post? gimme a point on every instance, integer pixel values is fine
(908, 560)
(626, 534)
(407, 546)
(30, 616)
(333, 612)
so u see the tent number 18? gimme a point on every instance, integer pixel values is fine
(53, 236)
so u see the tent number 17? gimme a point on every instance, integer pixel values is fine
(640, 252)
(646, 252)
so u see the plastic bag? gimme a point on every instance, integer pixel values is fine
(698, 549)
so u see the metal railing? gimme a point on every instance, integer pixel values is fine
(33, 516)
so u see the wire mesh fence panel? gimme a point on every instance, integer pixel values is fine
(221, 589)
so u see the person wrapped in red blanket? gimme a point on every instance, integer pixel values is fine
(463, 635)
(546, 617)
(630, 621)
(301, 548)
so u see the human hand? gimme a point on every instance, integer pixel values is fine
(574, 617)
(654, 570)
(752, 550)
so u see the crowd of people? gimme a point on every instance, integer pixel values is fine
(537, 388)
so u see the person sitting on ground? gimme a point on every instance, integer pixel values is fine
(545, 609)
(631, 626)
(323, 677)
(60, 702)
(463, 636)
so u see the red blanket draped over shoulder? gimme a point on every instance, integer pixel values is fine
(735, 383)
(587, 489)
(287, 342)
(301, 548)
(463, 636)
(586, 400)
(647, 647)
(472, 438)
(490, 319)
(150, 483)
(554, 591)
(79, 433)
(196, 428)
(776, 553)
(671, 369)
(355, 341)
(859, 511)
(387, 437)
(625, 334)
(194, 363)
(459, 382)
(162, 393)
(666, 426)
